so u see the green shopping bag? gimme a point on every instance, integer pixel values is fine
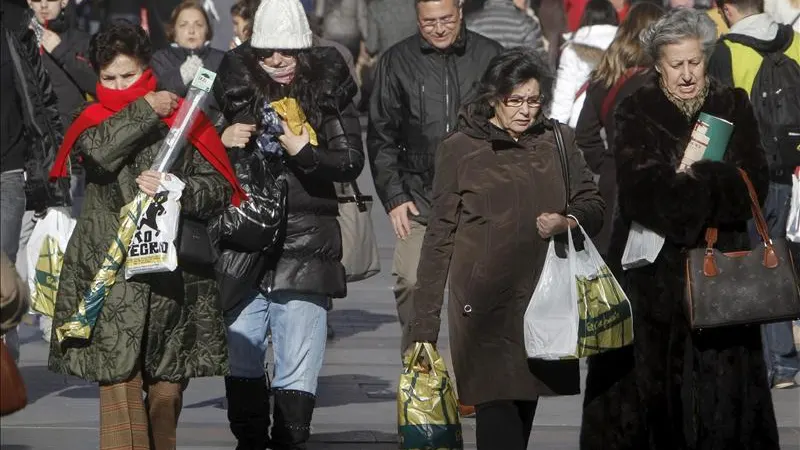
(427, 409)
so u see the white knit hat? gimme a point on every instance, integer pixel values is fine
(281, 24)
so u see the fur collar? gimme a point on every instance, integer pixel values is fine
(652, 106)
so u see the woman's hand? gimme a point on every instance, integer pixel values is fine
(551, 224)
(162, 102)
(237, 135)
(291, 142)
(149, 181)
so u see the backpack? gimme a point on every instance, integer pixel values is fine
(775, 95)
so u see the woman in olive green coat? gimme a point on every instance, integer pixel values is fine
(154, 331)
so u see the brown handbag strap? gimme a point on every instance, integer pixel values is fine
(770, 257)
(755, 206)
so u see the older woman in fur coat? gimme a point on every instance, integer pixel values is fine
(676, 389)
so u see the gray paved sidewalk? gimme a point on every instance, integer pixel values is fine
(356, 409)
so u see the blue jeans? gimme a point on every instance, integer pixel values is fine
(299, 333)
(12, 202)
(12, 199)
(780, 353)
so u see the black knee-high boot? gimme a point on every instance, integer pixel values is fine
(292, 427)
(248, 411)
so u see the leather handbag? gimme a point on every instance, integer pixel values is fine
(359, 246)
(13, 396)
(195, 244)
(747, 287)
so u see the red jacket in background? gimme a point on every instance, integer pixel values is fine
(574, 10)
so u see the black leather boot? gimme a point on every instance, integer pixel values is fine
(248, 411)
(292, 427)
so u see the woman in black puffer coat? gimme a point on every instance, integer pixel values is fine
(305, 272)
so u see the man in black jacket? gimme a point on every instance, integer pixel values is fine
(420, 84)
(30, 129)
(64, 51)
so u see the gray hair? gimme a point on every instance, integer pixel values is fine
(677, 25)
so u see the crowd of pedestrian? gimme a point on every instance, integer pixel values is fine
(492, 127)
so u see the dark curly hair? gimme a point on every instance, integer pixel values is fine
(119, 39)
(507, 71)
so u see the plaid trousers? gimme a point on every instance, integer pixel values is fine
(130, 422)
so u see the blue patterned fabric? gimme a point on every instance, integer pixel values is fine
(271, 128)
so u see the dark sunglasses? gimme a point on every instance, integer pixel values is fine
(267, 53)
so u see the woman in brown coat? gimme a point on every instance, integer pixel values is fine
(498, 196)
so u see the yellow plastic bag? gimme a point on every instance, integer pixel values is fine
(45, 256)
(427, 409)
(605, 320)
(47, 274)
(289, 110)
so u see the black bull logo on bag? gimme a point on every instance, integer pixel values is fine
(143, 243)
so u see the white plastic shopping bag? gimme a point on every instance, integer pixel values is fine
(45, 256)
(152, 248)
(793, 225)
(642, 248)
(578, 308)
(551, 319)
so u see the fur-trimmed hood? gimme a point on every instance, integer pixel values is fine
(324, 87)
(595, 36)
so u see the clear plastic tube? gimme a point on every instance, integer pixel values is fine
(184, 120)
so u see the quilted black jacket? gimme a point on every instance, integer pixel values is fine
(309, 258)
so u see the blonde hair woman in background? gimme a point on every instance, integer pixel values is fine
(622, 70)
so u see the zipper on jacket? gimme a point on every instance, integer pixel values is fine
(422, 110)
(446, 95)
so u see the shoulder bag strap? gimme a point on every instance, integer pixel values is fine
(582, 90)
(612, 94)
(359, 198)
(562, 152)
(770, 259)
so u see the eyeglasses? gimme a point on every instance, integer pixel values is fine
(431, 24)
(267, 53)
(533, 101)
(46, 1)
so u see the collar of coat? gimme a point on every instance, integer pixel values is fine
(476, 125)
(201, 52)
(652, 107)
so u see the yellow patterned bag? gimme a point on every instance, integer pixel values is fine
(45, 256)
(427, 408)
(605, 321)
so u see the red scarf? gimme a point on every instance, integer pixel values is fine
(203, 135)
